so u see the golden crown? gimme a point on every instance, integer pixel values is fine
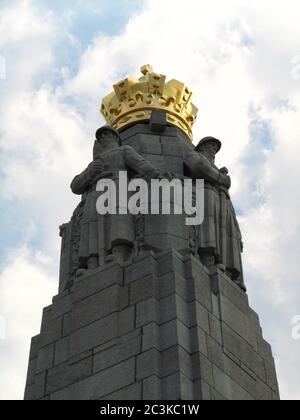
(133, 100)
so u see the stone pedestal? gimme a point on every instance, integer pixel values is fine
(159, 328)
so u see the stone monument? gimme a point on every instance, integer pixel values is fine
(150, 308)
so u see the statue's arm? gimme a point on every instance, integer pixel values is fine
(139, 164)
(201, 168)
(83, 182)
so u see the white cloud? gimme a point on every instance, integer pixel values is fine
(25, 286)
(45, 146)
(26, 40)
(23, 25)
(236, 56)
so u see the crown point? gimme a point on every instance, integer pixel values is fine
(147, 68)
(134, 100)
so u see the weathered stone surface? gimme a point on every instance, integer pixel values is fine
(149, 144)
(171, 387)
(67, 324)
(100, 384)
(216, 306)
(195, 270)
(61, 305)
(127, 347)
(200, 317)
(271, 375)
(198, 340)
(62, 351)
(151, 337)
(51, 331)
(175, 332)
(138, 129)
(215, 328)
(129, 393)
(158, 327)
(152, 388)
(264, 349)
(82, 356)
(179, 337)
(148, 364)
(170, 262)
(63, 375)
(171, 147)
(45, 358)
(202, 369)
(174, 283)
(238, 321)
(228, 388)
(31, 372)
(143, 289)
(96, 306)
(126, 321)
(232, 369)
(263, 392)
(35, 347)
(168, 309)
(36, 391)
(147, 312)
(143, 267)
(97, 281)
(239, 348)
(157, 161)
(202, 391)
(172, 224)
(177, 387)
(94, 334)
(166, 241)
(175, 165)
(201, 283)
(215, 396)
(176, 359)
(221, 286)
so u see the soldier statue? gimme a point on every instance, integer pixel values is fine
(107, 237)
(219, 239)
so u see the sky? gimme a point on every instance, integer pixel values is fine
(58, 59)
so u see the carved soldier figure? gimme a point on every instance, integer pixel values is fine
(219, 239)
(103, 236)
